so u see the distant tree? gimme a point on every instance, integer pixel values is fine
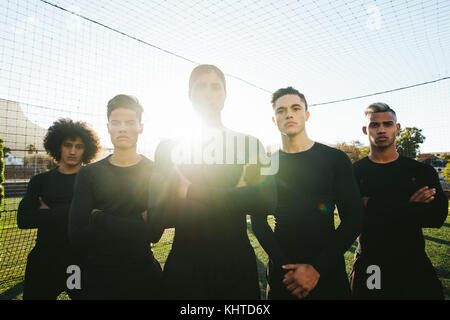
(31, 148)
(364, 151)
(41, 160)
(353, 150)
(446, 173)
(6, 151)
(445, 156)
(408, 142)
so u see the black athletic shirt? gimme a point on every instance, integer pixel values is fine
(302, 196)
(309, 185)
(118, 234)
(389, 213)
(56, 189)
(211, 256)
(392, 236)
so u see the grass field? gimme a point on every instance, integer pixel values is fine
(15, 244)
(13, 257)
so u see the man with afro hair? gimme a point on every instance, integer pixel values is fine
(46, 205)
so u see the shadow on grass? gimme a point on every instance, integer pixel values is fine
(353, 248)
(12, 292)
(437, 240)
(442, 273)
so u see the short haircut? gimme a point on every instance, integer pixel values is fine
(379, 107)
(206, 68)
(127, 102)
(284, 91)
(63, 129)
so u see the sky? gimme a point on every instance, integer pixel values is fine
(68, 58)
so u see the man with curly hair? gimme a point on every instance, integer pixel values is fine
(46, 205)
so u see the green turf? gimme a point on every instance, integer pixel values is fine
(13, 257)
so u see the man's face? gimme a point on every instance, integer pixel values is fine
(72, 152)
(208, 93)
(290, 114)
(382, 128)
(124, 128)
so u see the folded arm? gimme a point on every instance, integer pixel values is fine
(430, 214)
(29, 213)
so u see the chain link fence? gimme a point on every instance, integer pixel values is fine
(15, 243)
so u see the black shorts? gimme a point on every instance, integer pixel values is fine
(138, 281)
(46, 275)
(401, 279)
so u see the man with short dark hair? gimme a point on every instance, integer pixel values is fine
(306, 252)
(46, 204)
(312, 179)
(400, 197)
(211, 256)
(108, 215)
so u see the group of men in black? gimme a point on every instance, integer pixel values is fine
(103, 217)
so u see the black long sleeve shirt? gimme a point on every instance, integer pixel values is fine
(302, 196)
(200, 223)
(56, 190)
(309, 185)
(389, 213)
(117, 234)
(211, 256)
